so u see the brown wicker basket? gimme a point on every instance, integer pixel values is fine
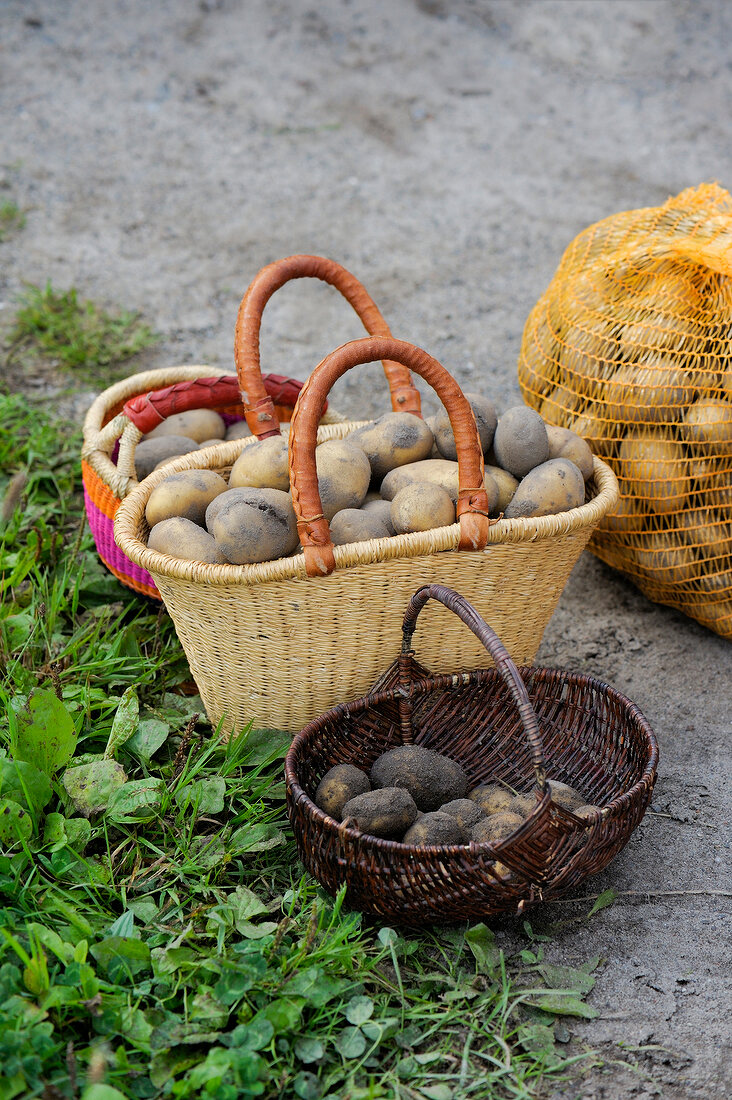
(515, 726)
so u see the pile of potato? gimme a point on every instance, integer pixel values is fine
(397, 475)
(420, 797)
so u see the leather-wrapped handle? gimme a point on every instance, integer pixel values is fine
(472, 503)
(257, 403)
(147, 410)
(507, 670)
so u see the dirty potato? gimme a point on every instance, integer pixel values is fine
(197, 424)
(430, 777)
(187, 494)
(495, 827)
(564, 443)
(421, 507)
(492, 798)
(393, 440)
(150, 453)
(433, 829)
(357, 525)
(263, 465)
(387, 812)
(181, 538)
(339, 785)
(520, 442)
(554, 486)
(464, 810)
(344, 474)
(258, 527)
(486, 419)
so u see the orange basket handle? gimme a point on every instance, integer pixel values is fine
(258, 404)
(507, 670)
(472, 503)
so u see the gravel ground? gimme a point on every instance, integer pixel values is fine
(446, 153)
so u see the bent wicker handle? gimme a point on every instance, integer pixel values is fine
(147, 410)
(507, 670)
(258, 404)
(472, 504)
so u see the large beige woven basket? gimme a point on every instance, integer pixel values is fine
(271, 644)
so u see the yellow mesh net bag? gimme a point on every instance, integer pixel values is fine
(630, 347)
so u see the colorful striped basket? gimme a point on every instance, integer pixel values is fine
(122, 414)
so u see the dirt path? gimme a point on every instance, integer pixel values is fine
(446, 152)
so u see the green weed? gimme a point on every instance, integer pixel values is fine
(12, 218)
(157, 936)
(78, 335)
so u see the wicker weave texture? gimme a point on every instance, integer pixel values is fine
(629, 346)
(591, 737)
(268, 644)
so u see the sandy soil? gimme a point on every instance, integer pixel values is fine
(445, 152)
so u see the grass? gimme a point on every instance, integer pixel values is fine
(12, 218)
(77, 335)
(157, 934)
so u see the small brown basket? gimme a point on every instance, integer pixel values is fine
(503, 724)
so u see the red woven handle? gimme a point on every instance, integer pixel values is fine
(259, 411)
(505, 666)
(472, 504)
(147, 410)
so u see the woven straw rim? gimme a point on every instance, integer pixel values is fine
(616, 808)
(130, 521)
(141, 383)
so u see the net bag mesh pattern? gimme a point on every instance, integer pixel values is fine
(629, 346)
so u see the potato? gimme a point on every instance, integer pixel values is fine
(339, 785)
(495, 827)
(238, 430)
(344, 474)
(421, 507)
(628, 517)
(596, 428)
(438, 471)
(491, 797)
(181, 538)
(187, 493)
(663, 558)
(505, 483)
(564, 443)
(554, 486)
(708, 530)
(655, 469)
(709, 422)
(652, 392)
(381, 508)
(150, 453)
(198, 424)
(586, 811)
(387, 812)
(262, 465)
(523, 804)
(654, 329)
(520, 442)
(464, 810)
(260, 527)
(218, 502)
(393, 440)
(716, 583)
(485, 418)
(564, 795)
(434, 829)
(430, 778)
(356, 525)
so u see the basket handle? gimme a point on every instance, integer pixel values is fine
(507, 670)
(257, 403)
(472, 503)
(147, 410)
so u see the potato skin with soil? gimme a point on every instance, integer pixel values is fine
(344, 475)
(435, 828)
(463, 810)
(495, 827)
(492, 798)
(187, 494)
(260, 527)
(393, 440)
(338, 786)
(387, 812)
(520, 441)
(262, 465)
(197, 424)
(486, 419)
(554, 486)
(186, 540)
(150, 453)
(421, 507)
(430, 778)
(357, 525)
